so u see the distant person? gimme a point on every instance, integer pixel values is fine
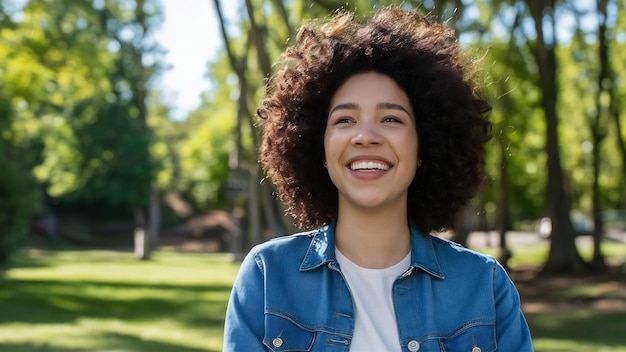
(373, 134)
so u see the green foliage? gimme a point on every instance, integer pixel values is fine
(76, 75)
(114, 166)
(18, 190)
(204, 155)
(85, 108)
(579, 73)
(518, 128)
(79, 117)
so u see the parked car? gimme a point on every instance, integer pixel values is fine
(583, 225)
(613, 224)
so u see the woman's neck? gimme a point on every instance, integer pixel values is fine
(375, 240)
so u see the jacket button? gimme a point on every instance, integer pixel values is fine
(413, 346)
(476, 349)
(277, 342)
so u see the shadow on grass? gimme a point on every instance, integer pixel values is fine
(21, 260)
(39, 301)
(586, 326)
(575, 313)
(40, 257)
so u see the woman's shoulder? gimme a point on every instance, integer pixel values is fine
(281, 255)
(451, 249)
(462, 264)
(294, 243)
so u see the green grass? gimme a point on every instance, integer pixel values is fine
(578, 330)
(96, 300)
(571, 321)
(535, 254)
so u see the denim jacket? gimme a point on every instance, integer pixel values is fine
(290, 295)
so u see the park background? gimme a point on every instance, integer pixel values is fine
(122, 219)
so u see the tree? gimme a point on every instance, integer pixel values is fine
(616, 98)
(563, 256)
(80, 85)
(256, 47)
(513, 162)
(130, 23)
(36, 85)
(18, 191)
(598, 124)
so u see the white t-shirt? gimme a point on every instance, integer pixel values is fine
(375, 327)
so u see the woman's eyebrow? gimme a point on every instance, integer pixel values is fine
(379, 106)
(345, 106)
(391, 106)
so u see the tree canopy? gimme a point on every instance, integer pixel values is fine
(84, 126)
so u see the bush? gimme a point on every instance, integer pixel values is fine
(18, 188)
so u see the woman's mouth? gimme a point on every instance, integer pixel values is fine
(368, 165)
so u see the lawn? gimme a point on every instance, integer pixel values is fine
(99, 300)
(578, 314)
(570, 314)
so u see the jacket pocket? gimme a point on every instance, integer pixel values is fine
(282, 334)
(473, 337)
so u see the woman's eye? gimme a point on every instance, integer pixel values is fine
(343, 120)
(391, 119)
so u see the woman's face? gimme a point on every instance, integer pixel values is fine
(370, 142)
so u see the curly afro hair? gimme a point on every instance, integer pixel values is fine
(426, 61)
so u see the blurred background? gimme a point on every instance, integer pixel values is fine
(130, 188)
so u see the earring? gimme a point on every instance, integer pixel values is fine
(419, 162)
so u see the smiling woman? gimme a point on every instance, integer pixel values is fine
(388, 116)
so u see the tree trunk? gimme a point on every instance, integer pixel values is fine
(257, 194)
(138, 80)
(621, 144)
(462, 230)
(154, 216)
(598, 262)
(503, 220)
(598, 133)
(254, 213)
(615, 113)
(142, 240)
(563, 257)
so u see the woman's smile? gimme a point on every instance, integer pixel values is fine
(368, 166)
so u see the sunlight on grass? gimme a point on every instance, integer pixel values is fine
(107, 301)
(537, 253)
(534, 254)
(99, 300)
(579, 330)
(556, 345)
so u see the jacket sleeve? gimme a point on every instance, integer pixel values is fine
(511, 328)
(244, 323)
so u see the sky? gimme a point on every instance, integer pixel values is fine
(190, 35)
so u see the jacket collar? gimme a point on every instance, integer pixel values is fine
(322, 251)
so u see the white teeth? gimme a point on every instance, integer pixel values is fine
(369, 165)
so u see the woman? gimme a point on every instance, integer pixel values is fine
(373, 134)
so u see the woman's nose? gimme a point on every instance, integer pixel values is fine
(366, 135)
